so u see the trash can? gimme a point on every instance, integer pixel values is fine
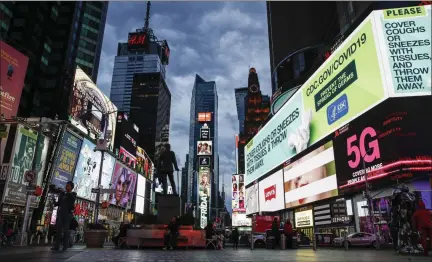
(294, 242)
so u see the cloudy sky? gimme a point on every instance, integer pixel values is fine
(217, 40)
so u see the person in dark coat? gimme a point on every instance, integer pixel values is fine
(65, 203)
(172, 234)
(275, 231)
(288, 231)
(235, 238)
(165, 165)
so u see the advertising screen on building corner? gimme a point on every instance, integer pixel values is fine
(204, 194)
(389, 145)
(329, 99)
(271, 193)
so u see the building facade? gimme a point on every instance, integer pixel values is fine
(91, 37)
(204, 100)
(240, 97)
(151, 110)
(48, 34)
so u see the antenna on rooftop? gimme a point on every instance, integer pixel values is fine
(147, 18)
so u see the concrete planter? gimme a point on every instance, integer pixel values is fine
(95, 238)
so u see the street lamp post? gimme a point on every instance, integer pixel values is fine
(369, 201)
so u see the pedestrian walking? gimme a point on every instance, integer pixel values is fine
(235, 238)
(288, 231)
(65, 203)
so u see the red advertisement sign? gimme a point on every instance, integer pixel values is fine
(204, 117)
(13, 69)
(270, 193)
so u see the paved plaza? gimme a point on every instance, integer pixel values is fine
(80, 254)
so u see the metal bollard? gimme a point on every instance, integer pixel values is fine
(31, 239)
(345, 243)
(52, 239)
(46, 238)
(38, 239)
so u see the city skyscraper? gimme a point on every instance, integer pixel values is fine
(204, 100)
(47, 33)
(240, 96)
(184, 182)
(91, 37)
(150, 111)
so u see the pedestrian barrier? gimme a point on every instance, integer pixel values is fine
(38, 239)
(31, 239)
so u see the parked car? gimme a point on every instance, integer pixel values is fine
(357, 239)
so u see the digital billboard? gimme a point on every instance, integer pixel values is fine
(240, 220)
(126, 134)
(140, 194)
(67, 157)
(143, 163)
(388, 144)
(304, 217)
(311, 178)
(204, 194)
(22, 159)
(87, 171)
(238, 193)
(271, 193)
(204, 117)
(123, 181)
(251, 199)
(127, 157)
(90, 109)
(325, 102)
(406, 37)
(13, 69)
(107, 172)
(204, 148)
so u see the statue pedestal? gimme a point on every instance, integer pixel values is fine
(168, 207)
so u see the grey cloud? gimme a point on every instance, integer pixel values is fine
(217, 40)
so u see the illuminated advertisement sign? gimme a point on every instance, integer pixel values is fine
(126, 135)
(87, 171)
(205, 133)
(88, 107)
(304, 217)
(251, 199)
(406, 37)
(240, 220)
(107, 171)
(143, 163)
(204, 161)
(127, 157)
(123, 181)
(22, 158)
(388, 144)
(204, 148)
(271, 193)
(137, 40)
(13, 69)
(325, 102)
(238, 193)
(140, 194)
(204, 117)
(64, 165)
(204, 194)
(311, 178)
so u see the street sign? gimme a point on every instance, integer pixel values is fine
(107, 191)
(95, 190)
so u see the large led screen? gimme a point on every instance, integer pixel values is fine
(240, 220)
(251, 200)
(311, 178)
(271, 193)
(204, 148)
(140, 194)
(87, 171)
(204, 194)
(390, 144)
(64, 165)
(238, 193)
(107, 171)
(123, 181)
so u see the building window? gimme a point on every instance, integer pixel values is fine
(47, 48)
(44, 60)
(54, 12)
